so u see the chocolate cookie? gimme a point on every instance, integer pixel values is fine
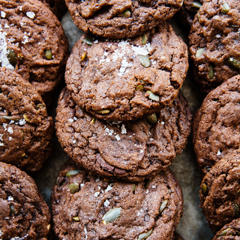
(33, 43)
(26, 130)
(216, 125)
(220, 198)
(189, 10)
(214, 41)
(58, 7)
(130, 150)
(121, 19)
(125, 80)
(23, 212)
(230, 231)
(88, 207)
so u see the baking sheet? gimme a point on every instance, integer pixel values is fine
(193, 224)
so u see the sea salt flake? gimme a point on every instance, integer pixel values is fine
(3, 14)
(1, 137)
(96, 194)
(30, 14)
(10, 138)
(109, 187)
(70, 120)
(123, 129)
(10, 130)
(22, 122)
(10, 198)
(106, 203)
(117, 137)
(4, 51)
(219, 153)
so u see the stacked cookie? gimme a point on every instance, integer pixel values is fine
(122, 120)
(216, 142)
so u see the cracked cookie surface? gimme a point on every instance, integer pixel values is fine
(214, 42)
(220, 198)
(125, 80)
(216, 126)
(129, 150)
(26, 130)
(23, 212)
(118, 19)
(32, 43)
(86, 206)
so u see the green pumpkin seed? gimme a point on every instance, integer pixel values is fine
(163, 205)
(93, 120)
(234, 62)
(225, 8)
(39, 106)
(83, 56)
(27, 119)
(12, 209)
(126, 14)
(71, 173)
(196, 4)
(12, 57)
(104, 111)
(111, 215)
(139, 88)
(76, 219)
(237, 211)
(224, 232)
(204, 189)
(145, 235)
(152, 119)
(134, 188)
(87, 41)
(74, 187)
(199, 52)
(14, 118)
(211, 71)
(144, 60)
(48, 54)
(144, 39)
(153, 96)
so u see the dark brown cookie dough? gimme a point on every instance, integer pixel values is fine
(220, 198)
(217, 124)
(230, 231)
(58, 7)
(23, 212)
(82, 205)
(33, 43)
(214, 41)
(26, 130)
(118, 19)
(130, 150)
(188, 11)
(125, 80)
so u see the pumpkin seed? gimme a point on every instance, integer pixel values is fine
(163, 205)
(111, 215)
(145, 235)
(71, 173)
(153, 96)
(225, 8)
(199, 52)
(144, 60)
(74, 187)
(152, 119)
